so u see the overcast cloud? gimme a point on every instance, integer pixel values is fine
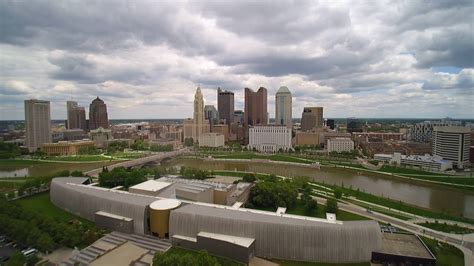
(146, 58)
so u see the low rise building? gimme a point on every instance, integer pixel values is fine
(340, 145)
(427, 162)
(221, 129)
(101, 136)
(66, 147)
(307, 138)
(211, 140)
(270, 138)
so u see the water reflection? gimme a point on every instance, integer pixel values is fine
(436, 197)
(14, 173)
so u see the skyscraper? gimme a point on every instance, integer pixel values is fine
(98, 114)
(225, 105)
(452, 144)
(211, 114)
(37, 123)
(354, 125)
(76, 116)
(283, 105)
(194, 128)
(311, 118)
(255, 107)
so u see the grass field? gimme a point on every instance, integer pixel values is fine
(221, 260)
(448, 228)
(298, 209)
(79, 158)
(398, 205)
(446, 255)
(401, 170)
(275, 157)
(41, 203)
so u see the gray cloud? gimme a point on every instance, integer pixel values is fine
(147, 53)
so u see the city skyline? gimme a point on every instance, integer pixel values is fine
(145, 61)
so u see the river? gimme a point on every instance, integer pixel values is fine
(30, 169)
(436, 197)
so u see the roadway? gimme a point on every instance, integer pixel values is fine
(140, 161)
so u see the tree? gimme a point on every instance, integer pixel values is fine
(311, 207)
(172, 259)
(337, 193)
(249, 177)
(331, 205)
(189, 142)
(16, 259)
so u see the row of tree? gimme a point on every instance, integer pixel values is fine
(41, 231)
(9, 150)
(194, 173)
(121, 176)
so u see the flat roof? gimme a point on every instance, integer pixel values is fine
(111, 215)
(151, 185)
(122, 255)
(408, 245)
(165, 204)
(237, 240)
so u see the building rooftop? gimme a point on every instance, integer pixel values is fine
(241, 241)
(404, 245)
(151, 185)
(165, 204)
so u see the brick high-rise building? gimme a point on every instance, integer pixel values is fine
(225, 105)
(311, 118)
(98, 114)
(255, 112)
(76, 116)
(37, 123)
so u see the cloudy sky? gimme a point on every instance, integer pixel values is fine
(146, 58)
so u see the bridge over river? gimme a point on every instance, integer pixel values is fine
(140, 161)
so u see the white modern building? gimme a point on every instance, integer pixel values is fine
(270, 138)
(427, 162)
(340, 145)
(37, 124)
(212, 140)
(423, 132)
(452, 144)
(283, 106)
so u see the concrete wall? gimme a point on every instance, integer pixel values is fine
(113, 224)
(226, 249)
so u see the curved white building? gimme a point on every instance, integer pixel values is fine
(237, 233)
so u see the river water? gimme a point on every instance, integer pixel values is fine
(432, 196)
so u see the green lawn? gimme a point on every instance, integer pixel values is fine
(302, 263)
(298, 209)
(402, 170)
(448, 228)
(41, 203)
(79, 158)
(221, 260)
(399, 205)
(446, 255)
(275, 157)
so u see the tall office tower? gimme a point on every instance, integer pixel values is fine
(225, 105)
(194, 128)
(211, 114)
(330, 123)
(354, 125)
(76, 116)
(255, 107)
(452, 144)
(98, 114)
(37, 124)
(283, 102)
(311, 118)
